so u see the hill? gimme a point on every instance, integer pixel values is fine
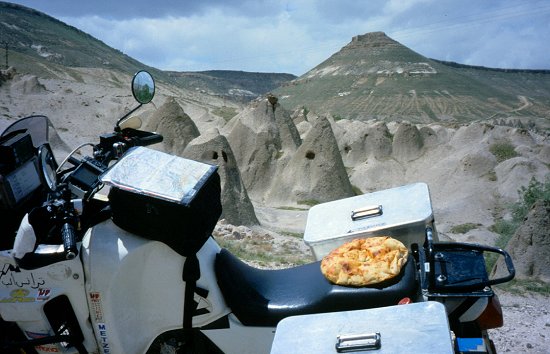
(40, 36)
(38, 42)
(375, 76)
(237, 85)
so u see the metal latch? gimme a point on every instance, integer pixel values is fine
(366, 212)
(356, 342)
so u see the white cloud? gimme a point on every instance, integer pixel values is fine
(212, 40)
(295, 36)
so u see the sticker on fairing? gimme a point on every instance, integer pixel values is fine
(103, 338)
(18, 295)
(95, 306)
(11, 277)
(43, 294)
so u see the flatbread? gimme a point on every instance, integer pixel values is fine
(365, 261)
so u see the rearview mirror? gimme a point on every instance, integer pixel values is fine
(143, 87)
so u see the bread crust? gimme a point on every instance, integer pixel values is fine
(365, 261)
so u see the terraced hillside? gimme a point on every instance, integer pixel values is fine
(376, 77)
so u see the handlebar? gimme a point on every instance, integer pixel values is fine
(134, 137)
(154, 138)
(68, 236)
(84, 177)
(114, 145)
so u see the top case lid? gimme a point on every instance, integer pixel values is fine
(159, 175)
(390, 208)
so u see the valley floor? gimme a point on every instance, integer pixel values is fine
(526, 323)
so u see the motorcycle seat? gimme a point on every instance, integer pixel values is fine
(263, 297)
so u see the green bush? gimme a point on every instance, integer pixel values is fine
(523, 285)
(505, 229)
(529, 196)
(306, 112)
(225, 112)
(503, 151)
(463, 228)
(309, 202)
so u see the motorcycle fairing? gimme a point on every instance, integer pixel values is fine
(26, 295)
(138, 284)
(261, 297)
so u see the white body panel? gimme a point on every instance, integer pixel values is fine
(135, 290)
(24, 293)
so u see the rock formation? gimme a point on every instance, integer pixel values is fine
(407, 143)
(174, 124)
(7, 74)
(315, 173)
(28, 84)
(213, 148)
(530, 246)
(359, 141)
(262, 137)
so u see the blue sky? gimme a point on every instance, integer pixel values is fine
(295, 36)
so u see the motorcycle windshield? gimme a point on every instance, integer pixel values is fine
(36, 126)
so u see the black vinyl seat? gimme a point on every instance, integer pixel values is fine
(260, 297)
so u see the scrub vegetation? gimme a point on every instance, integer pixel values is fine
(529, 195)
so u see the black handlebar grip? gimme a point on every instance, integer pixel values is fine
(74, 161)
(69, 240)
(150, 140)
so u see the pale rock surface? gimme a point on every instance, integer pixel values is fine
(407, 143)
(213, 148)
(530, 246)
(263, 138)
(303, 128)
(29, 84)
(517, 172)
(358, 141)
(177, 128)
(315, 172)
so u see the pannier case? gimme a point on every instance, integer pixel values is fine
(415, 328)
(165, 198)
(402, 213)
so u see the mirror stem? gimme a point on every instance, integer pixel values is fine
(117, 126)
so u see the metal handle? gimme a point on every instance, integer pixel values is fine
(366, 212)
(357, 342)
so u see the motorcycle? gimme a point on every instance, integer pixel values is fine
(114, 255)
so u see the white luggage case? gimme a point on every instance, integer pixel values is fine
(415, 328)
(402, 213)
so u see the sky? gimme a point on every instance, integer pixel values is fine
(295, 36)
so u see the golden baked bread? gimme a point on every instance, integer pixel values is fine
(365, 261)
